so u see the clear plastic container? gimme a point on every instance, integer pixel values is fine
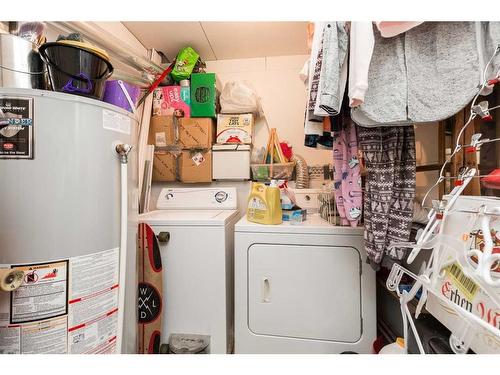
(265, 172)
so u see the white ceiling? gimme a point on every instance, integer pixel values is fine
(223, 40)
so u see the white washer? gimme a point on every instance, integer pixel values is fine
(197, 262)
(302, 289)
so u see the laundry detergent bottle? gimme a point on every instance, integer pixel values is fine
(264, 206)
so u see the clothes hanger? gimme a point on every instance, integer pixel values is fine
(476, 110)
(471, 323)
(479, 270)
(487, 261)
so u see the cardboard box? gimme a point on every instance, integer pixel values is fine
(195, 166)
(164, 167)
(235, 128)
(203, 95)
(168, 99)
(162, 131)
(196, 133)
(231, 162)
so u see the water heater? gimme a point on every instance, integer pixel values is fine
(61, 224)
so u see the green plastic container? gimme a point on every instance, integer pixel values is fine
(203, 95)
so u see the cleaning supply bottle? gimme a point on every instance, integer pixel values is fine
(264, 206)
(397, 347)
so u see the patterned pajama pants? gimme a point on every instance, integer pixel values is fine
(346, 174)
(389, 154)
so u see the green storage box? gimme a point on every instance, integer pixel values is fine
(203, 95)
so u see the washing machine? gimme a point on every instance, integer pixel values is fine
(197, 260)
(302, 289)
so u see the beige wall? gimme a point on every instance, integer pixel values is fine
(276, 80)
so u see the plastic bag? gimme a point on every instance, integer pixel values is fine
(184, 63)
(240, 97)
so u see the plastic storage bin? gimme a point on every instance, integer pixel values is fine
(114, 94)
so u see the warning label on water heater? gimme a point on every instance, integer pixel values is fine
(43, 294)
(93, 303)
(63, 306)
(16, 128)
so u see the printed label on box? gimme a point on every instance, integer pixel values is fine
(160, 139)
(171, 101)
(234, 128)
(198, 158)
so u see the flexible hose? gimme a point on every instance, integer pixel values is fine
(302, 173)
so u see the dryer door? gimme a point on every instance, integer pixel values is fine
(309, 292)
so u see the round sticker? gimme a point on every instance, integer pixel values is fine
(149, 303)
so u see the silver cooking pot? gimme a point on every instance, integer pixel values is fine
(21, 65)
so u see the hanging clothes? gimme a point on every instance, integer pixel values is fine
(313, 125)
(328, 76)
(360, 51)
(347, 174)
(389, 155)
(324, 141)
(427, 74)
(314, 89)
(334, 67)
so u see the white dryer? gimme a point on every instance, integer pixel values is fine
(302, 289)
(197, 262)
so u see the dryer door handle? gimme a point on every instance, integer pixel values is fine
(265, 290)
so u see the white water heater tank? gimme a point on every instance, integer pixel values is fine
(60, 223)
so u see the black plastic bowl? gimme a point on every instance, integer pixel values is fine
(75, 70)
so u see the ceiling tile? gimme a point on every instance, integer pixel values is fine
(170, 37)
(237, 40)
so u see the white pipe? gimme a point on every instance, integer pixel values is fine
(122, 150)
(123, 254)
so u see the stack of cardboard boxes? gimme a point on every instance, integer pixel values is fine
(183, 130)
